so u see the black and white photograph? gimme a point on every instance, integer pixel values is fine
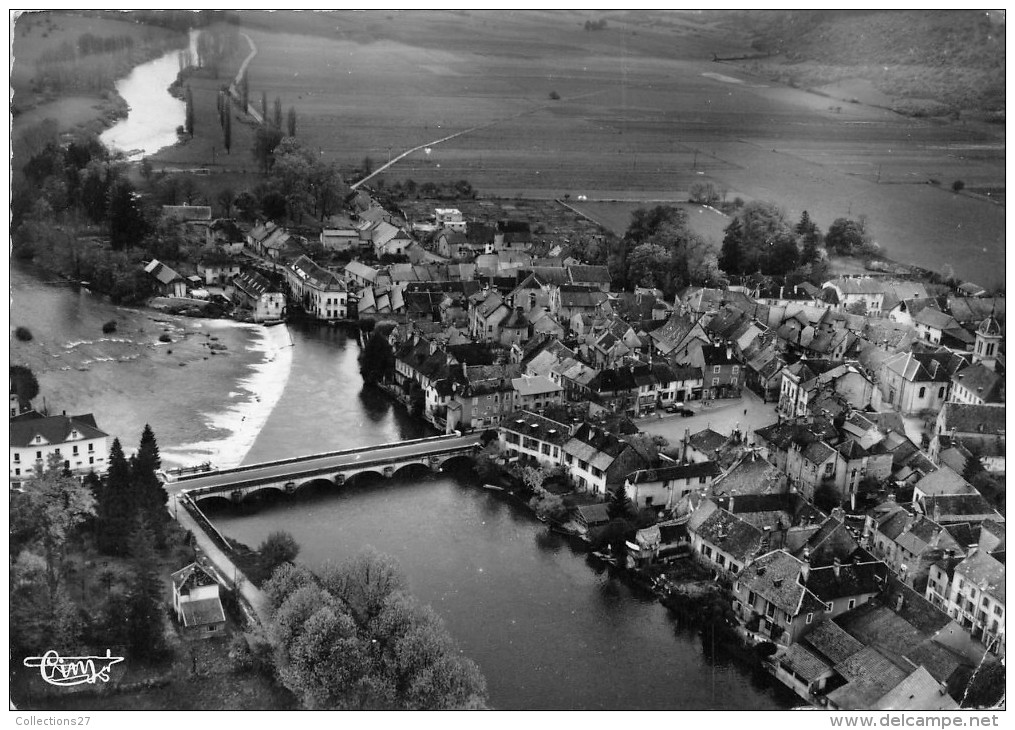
(511, 360)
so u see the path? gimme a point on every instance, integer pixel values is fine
(239, 75)
(227, 571)
(435, 142)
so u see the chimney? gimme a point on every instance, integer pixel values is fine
(730, 507)
(805, 566)
(898, 603)
(729, 352)
(836, 567)
(937, 512)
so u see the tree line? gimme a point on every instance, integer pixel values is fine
(354, 638)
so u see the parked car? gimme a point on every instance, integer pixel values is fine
(685, 412)
(674, 407)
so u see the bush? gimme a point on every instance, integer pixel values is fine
(554, 95)
(958, 185)
(165, 338)
(24, 334)
(109, 327)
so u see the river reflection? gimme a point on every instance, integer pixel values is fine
(549, 629)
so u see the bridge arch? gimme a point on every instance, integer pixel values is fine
(459, 462)
(363, 478)
(212, 502)
(266, 493)
(414, 470)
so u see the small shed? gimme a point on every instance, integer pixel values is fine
(197, 603)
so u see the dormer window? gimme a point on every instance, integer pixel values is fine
(74, 435)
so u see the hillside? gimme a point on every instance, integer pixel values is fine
(924, 62)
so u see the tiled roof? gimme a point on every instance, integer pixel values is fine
(534, 385)
(192, 576)
(730, 534)
(252, 284)
(802, 662)
(527, 423)
(160, 271)
(853, 579)
(775, 577)
(960, 507)
(589, 274)
(982, 381)
(54, 429)
(202, 612)
(751, 475)
(869, 674)
(985, 571)
(594, 514)
(677, 471)
(831, 641)
(316, 276)
(708, 441)
(918, 691)
(944, 481)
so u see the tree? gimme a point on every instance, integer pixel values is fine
(377, 360)
(264, 108)
(367, 165)
(52, 506)
(355, 640)
(619, 504)
(145, 633)
(278, 548)
(116, 507)
(987, 686)
(149, 493)
(731, 259)
(244, 92)
(846, 237)
(266, 139)
(363, 583)
(648, 265)
(189, 123)
(225, 198)
(276, 119)
(127, 224)
(23, 384)
(291, 121)
(227, 130)
(534, 476)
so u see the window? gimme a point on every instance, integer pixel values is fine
(770, 610)
(17, 472)
(830, 605)
(850, 604)
(75, 450)
(922, 393)
(38, 454)
(736, 369)
(91, 447)
(828, 469)
(715, 369)
(941, 392)
(810, 617)
(17, 458)
(997, 610)
(706, 551)
(701, 480)
(546, 449)
(555, 452)
(721, 559)
(91, 459)
(715, 382)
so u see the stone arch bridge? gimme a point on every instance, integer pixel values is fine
(337, 467)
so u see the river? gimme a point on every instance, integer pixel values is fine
(154, 114)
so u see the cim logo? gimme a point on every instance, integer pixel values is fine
(69, 671)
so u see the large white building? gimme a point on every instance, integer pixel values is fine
(80, 444)
(321, 293)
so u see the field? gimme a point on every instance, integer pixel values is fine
(643, 114)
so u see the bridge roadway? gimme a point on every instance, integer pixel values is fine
(430, 451)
